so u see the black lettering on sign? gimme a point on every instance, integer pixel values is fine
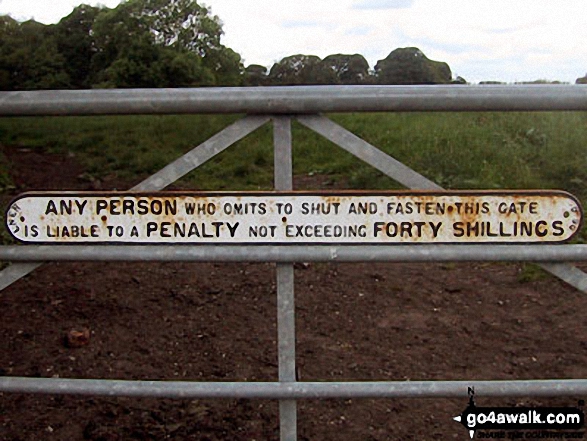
(115, 229)
(262, 230)
(518, 207)
(200, 208)
(503, 229)
(190, 208)
(101, 204)
(458, 229)
(435, 228)
(128, 206)
(65, 207)
(151, 228)
(284, 208)
(142, 207)
(239, 208)
(398, 208)
(363, 208)
(325, 230)
(405, 229)
(320, 207)
(429, 208)
(117, 207)
(557, 229)
(33, 231)
(156, 207)
(163, 229)
(182, 229)
(73, 231)
(541, 228)
(232, 228)
(471, 207)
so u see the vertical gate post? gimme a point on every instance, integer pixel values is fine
(286, 336)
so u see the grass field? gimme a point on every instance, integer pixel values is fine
(457, 150)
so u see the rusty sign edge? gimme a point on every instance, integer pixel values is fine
(317, 193)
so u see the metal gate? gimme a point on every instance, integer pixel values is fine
(279, 105)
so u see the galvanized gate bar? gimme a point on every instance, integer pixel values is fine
(410, 178)
(166, 176)
(205, 151)
(295, 253)
(286, 329)
(295, 100)
(568, 273)
(17, 271)
(302, 102)
(295, 391)
(368, 153)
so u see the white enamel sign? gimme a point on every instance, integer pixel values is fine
(295, 218)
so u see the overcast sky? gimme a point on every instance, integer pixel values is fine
(507, 40)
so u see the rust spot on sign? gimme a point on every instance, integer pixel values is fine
(350, 217)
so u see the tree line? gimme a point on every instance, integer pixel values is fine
(174, 43)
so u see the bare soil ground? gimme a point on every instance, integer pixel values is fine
(217, 322)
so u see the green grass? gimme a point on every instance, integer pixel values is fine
(6, 185)
(484, 150)
(517, 150)
(457, 150)
(530, 272)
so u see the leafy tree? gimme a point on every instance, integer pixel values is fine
(255, 75)
(137, 38)
(459, 80)
(133, 67)
(187, 26)
(410, 66)
(118, 33)
(225, 65)
(29, 58)
(147, 65)
(301, 69)
(75, 40)
(181, 23)
(540, 81)
(9, 29)
(183, 69)
(348, 69)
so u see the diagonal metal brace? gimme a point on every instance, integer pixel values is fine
(205, 151)
(406, 176)
(368, 153)
(164, 177)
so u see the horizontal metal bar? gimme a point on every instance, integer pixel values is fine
(289, 253)
(295, 390)
(294, 100)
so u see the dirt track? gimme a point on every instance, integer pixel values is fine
(217, 322)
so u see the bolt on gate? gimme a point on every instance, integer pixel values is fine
(279, 105)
